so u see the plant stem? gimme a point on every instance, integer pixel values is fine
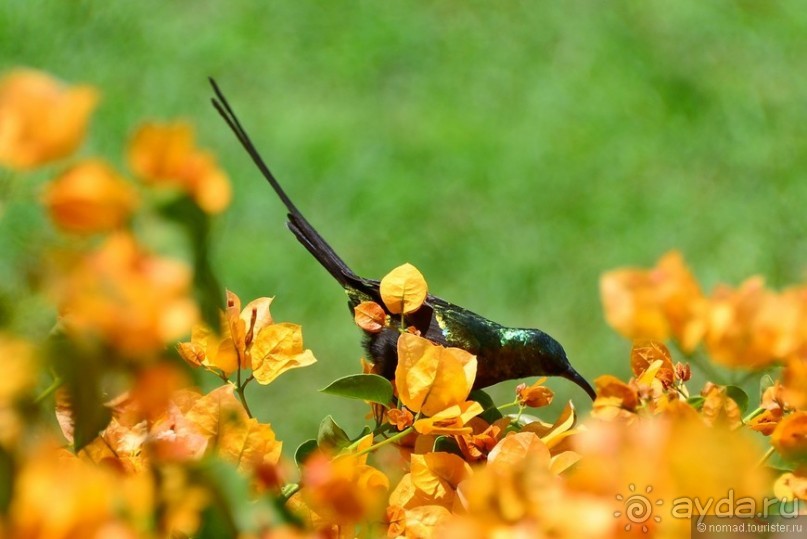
(288, 491)
(753, 414)
(240, 390)
(56, 384)
(520, 411)
(248, 380)
(508, 405)
(765, 457)
(383, 442)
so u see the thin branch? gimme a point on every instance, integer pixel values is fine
(56, 384)
(382, 443)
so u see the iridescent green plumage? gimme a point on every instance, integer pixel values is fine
(502, 353)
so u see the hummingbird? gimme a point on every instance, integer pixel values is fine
(503, 353)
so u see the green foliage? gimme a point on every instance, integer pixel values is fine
(331, 437)
(367, 387)
(491, 413)
(304, 450)
(739, 396)
(446, 444)
(89, 415)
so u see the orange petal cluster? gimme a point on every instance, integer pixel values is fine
(20, 369)
(59, 495)
(166, 154)
(189, 426)
(342, 491)
(746, 327)
(655, 304)
(41, 118)
(535, 396)
(753, 327)
(90, 197)
(125, 297)
(431, 378)
(790, 437)
(657, 386)
(249, 339)
(672, 458)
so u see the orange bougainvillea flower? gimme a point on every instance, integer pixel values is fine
(58, 495)
(370, 316)
(794, 380)
(344, 490)
(615, 398)
(790, 437)
(404, 289)
(239, 438)
(774, 405)
(752, 327)
(250, 339)
(534, 396)
(523, 498)
(172, 437)
(475, 447)
(680, 298)
(430, 377)
(556, 436)
(41, 119)
(277, 349)
(515, 447)
(190, 425)
(165, 153)
(450, 421)
(679, 457)
(433, 480)
(654, 304)
(20, 369)
(791, 486)
(719, 408)
(132, 300)
(749, 327)
(644, 355)
(766, 421)
(208, 349)
(401, 418)
(89, 197)
(421, 521)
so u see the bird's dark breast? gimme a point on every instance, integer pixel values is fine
(442, 323)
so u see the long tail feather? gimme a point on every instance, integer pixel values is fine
(300, 227)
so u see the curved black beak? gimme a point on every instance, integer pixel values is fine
(575, 377)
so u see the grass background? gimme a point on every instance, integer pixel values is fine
(512, 151)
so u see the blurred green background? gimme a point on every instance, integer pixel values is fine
(513, 151)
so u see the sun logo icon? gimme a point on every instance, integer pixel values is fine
(638, 508)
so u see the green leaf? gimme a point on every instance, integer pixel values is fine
(304, 450)
(738, 396)
(366, 387)
(364, 432)
(7, 484)
(196, 224)
(446, 444)
(491, 413)
(82, 370)
(696, 402)
(331, 437)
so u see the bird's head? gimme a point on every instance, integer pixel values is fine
(544, 356)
